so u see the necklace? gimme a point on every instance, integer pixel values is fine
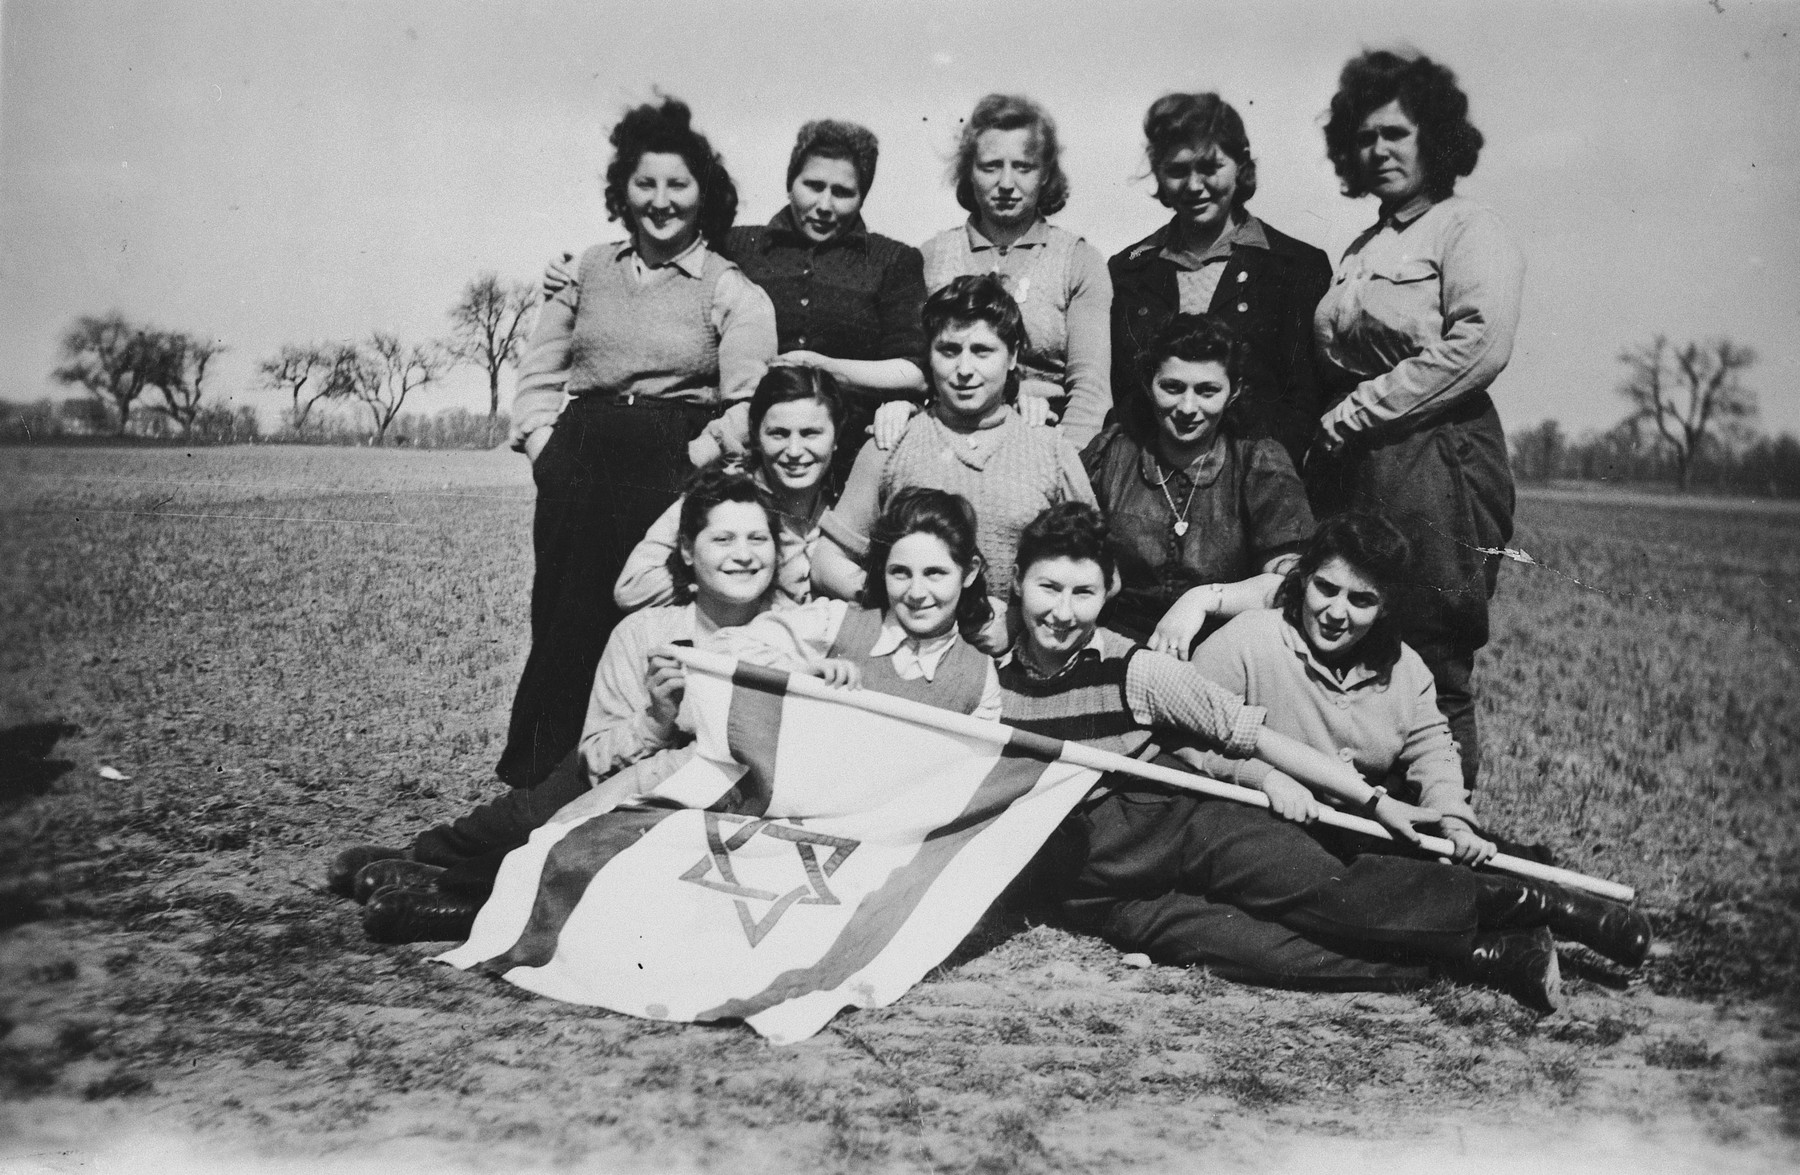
(1181, 522)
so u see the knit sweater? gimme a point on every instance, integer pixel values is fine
(1010, 478)
(695, 330)
(1065, 296)
(1112, 694)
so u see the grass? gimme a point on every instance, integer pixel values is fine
(287, 650)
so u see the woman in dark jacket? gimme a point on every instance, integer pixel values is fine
(1213, 257)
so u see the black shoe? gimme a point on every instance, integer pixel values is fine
(1520, 963)
(340, 879)
(418, 915)
(394, 873)
(1516, 903)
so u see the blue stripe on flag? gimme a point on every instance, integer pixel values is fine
(881, 914)
(568, 867)
(753, 732)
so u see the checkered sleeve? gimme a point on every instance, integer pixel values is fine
(1163, 691)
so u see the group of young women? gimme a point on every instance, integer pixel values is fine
(1212, 389)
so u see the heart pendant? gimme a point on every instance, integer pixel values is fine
(1181, 527)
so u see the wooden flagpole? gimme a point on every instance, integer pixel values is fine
(1106, 761)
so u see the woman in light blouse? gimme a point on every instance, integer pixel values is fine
(1416, 326)
(655, 337)
(1008, 175)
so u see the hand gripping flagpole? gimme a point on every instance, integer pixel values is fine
(1106, 761)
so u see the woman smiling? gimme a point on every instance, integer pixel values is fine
(1214, 257)
(1207, 511)
(654, 337)
(971, 443)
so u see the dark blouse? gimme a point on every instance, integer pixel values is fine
(1244, 506)
(856, 296)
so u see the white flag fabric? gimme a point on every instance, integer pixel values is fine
(814, 855)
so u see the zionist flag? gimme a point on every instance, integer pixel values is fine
(824, 849)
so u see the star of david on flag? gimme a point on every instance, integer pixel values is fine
(823, 849)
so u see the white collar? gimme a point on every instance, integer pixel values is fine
(907, 653)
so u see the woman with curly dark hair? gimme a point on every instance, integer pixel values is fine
(1214, 257)
(1008, 175)
(1417, 325)
(1206, 509)
(657, 335)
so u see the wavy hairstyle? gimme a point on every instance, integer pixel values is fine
(1449, 144)
(666, 128)
(1376, 550)
(786, 384)
(709, 487)
(1068, 530)
(975, 297)
(829, 138)
(1196, 338)
(1011, 112)
(1175, 121)
(950, 519)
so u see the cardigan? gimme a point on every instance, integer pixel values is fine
(1268, 289)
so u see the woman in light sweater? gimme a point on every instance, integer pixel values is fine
(972, 443)
(1008, 175)
(655, 338)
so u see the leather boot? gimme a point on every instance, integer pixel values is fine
(1521, 963)
(1518, 903)
(418, 915)
(340, 878)
(394, 873)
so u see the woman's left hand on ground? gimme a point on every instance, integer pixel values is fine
(1176, 631)
(1469, 847)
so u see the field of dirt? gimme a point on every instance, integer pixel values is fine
(218, 667)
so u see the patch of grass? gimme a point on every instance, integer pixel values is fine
(1677, 1052)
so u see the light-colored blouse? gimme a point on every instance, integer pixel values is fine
(1423, 307)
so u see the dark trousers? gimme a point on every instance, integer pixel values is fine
(472, 846)
(606, 474)
(1449, 488)
(1191, 880)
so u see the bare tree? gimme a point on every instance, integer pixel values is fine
(489, 324)
(385, 371)
(1687, 393)
(181, 375)
(115, 360)
(304, 373)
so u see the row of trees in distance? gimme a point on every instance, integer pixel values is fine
(119, 362)
(1690, 422)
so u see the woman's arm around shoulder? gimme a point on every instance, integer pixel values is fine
(844, 530)
(1087, 365)
(646, 579)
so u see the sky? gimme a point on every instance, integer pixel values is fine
(276, 173)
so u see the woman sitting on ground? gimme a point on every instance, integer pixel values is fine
(796, 418)
(724, 568)
(971, 443)
(924, 600)
(1206, 508)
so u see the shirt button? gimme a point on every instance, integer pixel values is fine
(1243, 306)
(1143, 310)
(1243, 275)
(808, 301)
(801, 341)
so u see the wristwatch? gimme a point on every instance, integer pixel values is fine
(1375, 797)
